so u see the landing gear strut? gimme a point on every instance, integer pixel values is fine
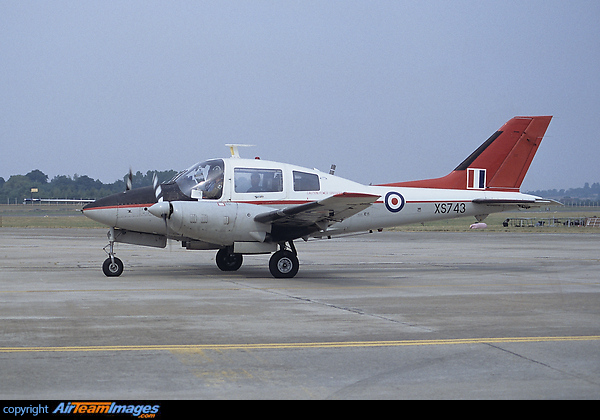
(284, 263)
(112, 267)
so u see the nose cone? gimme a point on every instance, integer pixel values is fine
(103, 211)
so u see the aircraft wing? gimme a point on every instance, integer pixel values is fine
(537, 202)
(322, 212)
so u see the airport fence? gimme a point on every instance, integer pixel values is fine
(553, 222)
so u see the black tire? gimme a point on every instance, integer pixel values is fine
(284, 264)
(228, 261)
(111, 269)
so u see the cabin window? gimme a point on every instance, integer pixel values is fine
(253, 180)
(304, 181)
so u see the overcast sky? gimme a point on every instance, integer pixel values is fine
(387, 90)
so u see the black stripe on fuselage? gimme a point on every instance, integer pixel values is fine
(138, 196)
(144, 195)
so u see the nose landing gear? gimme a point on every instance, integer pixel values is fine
(112, 266)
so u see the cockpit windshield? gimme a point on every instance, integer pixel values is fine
(204, 180)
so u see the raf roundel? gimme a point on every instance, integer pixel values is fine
(394, 201)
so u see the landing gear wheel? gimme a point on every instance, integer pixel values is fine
(284, 264)
(112, 267)
(228, 261)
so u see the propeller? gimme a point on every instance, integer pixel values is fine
(157, 188)
(162, 209)
(129, 180)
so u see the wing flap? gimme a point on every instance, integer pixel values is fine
(322, 212)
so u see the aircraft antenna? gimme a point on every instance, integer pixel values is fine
(233, 148)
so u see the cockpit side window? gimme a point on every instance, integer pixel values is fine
(304, 181)
(254, 180)
(203, 180)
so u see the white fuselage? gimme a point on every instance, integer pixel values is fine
(420, 204)
(230, 218)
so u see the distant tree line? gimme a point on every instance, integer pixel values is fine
(19, 187)
(584, 196)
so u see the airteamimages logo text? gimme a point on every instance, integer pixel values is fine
(142, 411)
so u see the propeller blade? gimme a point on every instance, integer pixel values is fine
(129, 180)
(162, 209)
(157, 189)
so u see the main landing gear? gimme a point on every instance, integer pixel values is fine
(283, 263)
(227, 260)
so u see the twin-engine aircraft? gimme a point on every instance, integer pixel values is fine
(251, 206)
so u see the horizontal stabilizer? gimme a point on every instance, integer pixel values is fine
(537, 202)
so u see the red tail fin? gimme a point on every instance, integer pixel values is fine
(499, 164)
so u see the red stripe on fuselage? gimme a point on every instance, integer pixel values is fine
(121, 206)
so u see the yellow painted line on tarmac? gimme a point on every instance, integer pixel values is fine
(120, 290)
(316, 345)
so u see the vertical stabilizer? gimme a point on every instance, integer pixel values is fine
(499, 164)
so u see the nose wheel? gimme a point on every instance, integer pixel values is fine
(112, 267)
(284, 263)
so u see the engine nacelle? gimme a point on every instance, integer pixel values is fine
(221, 223)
